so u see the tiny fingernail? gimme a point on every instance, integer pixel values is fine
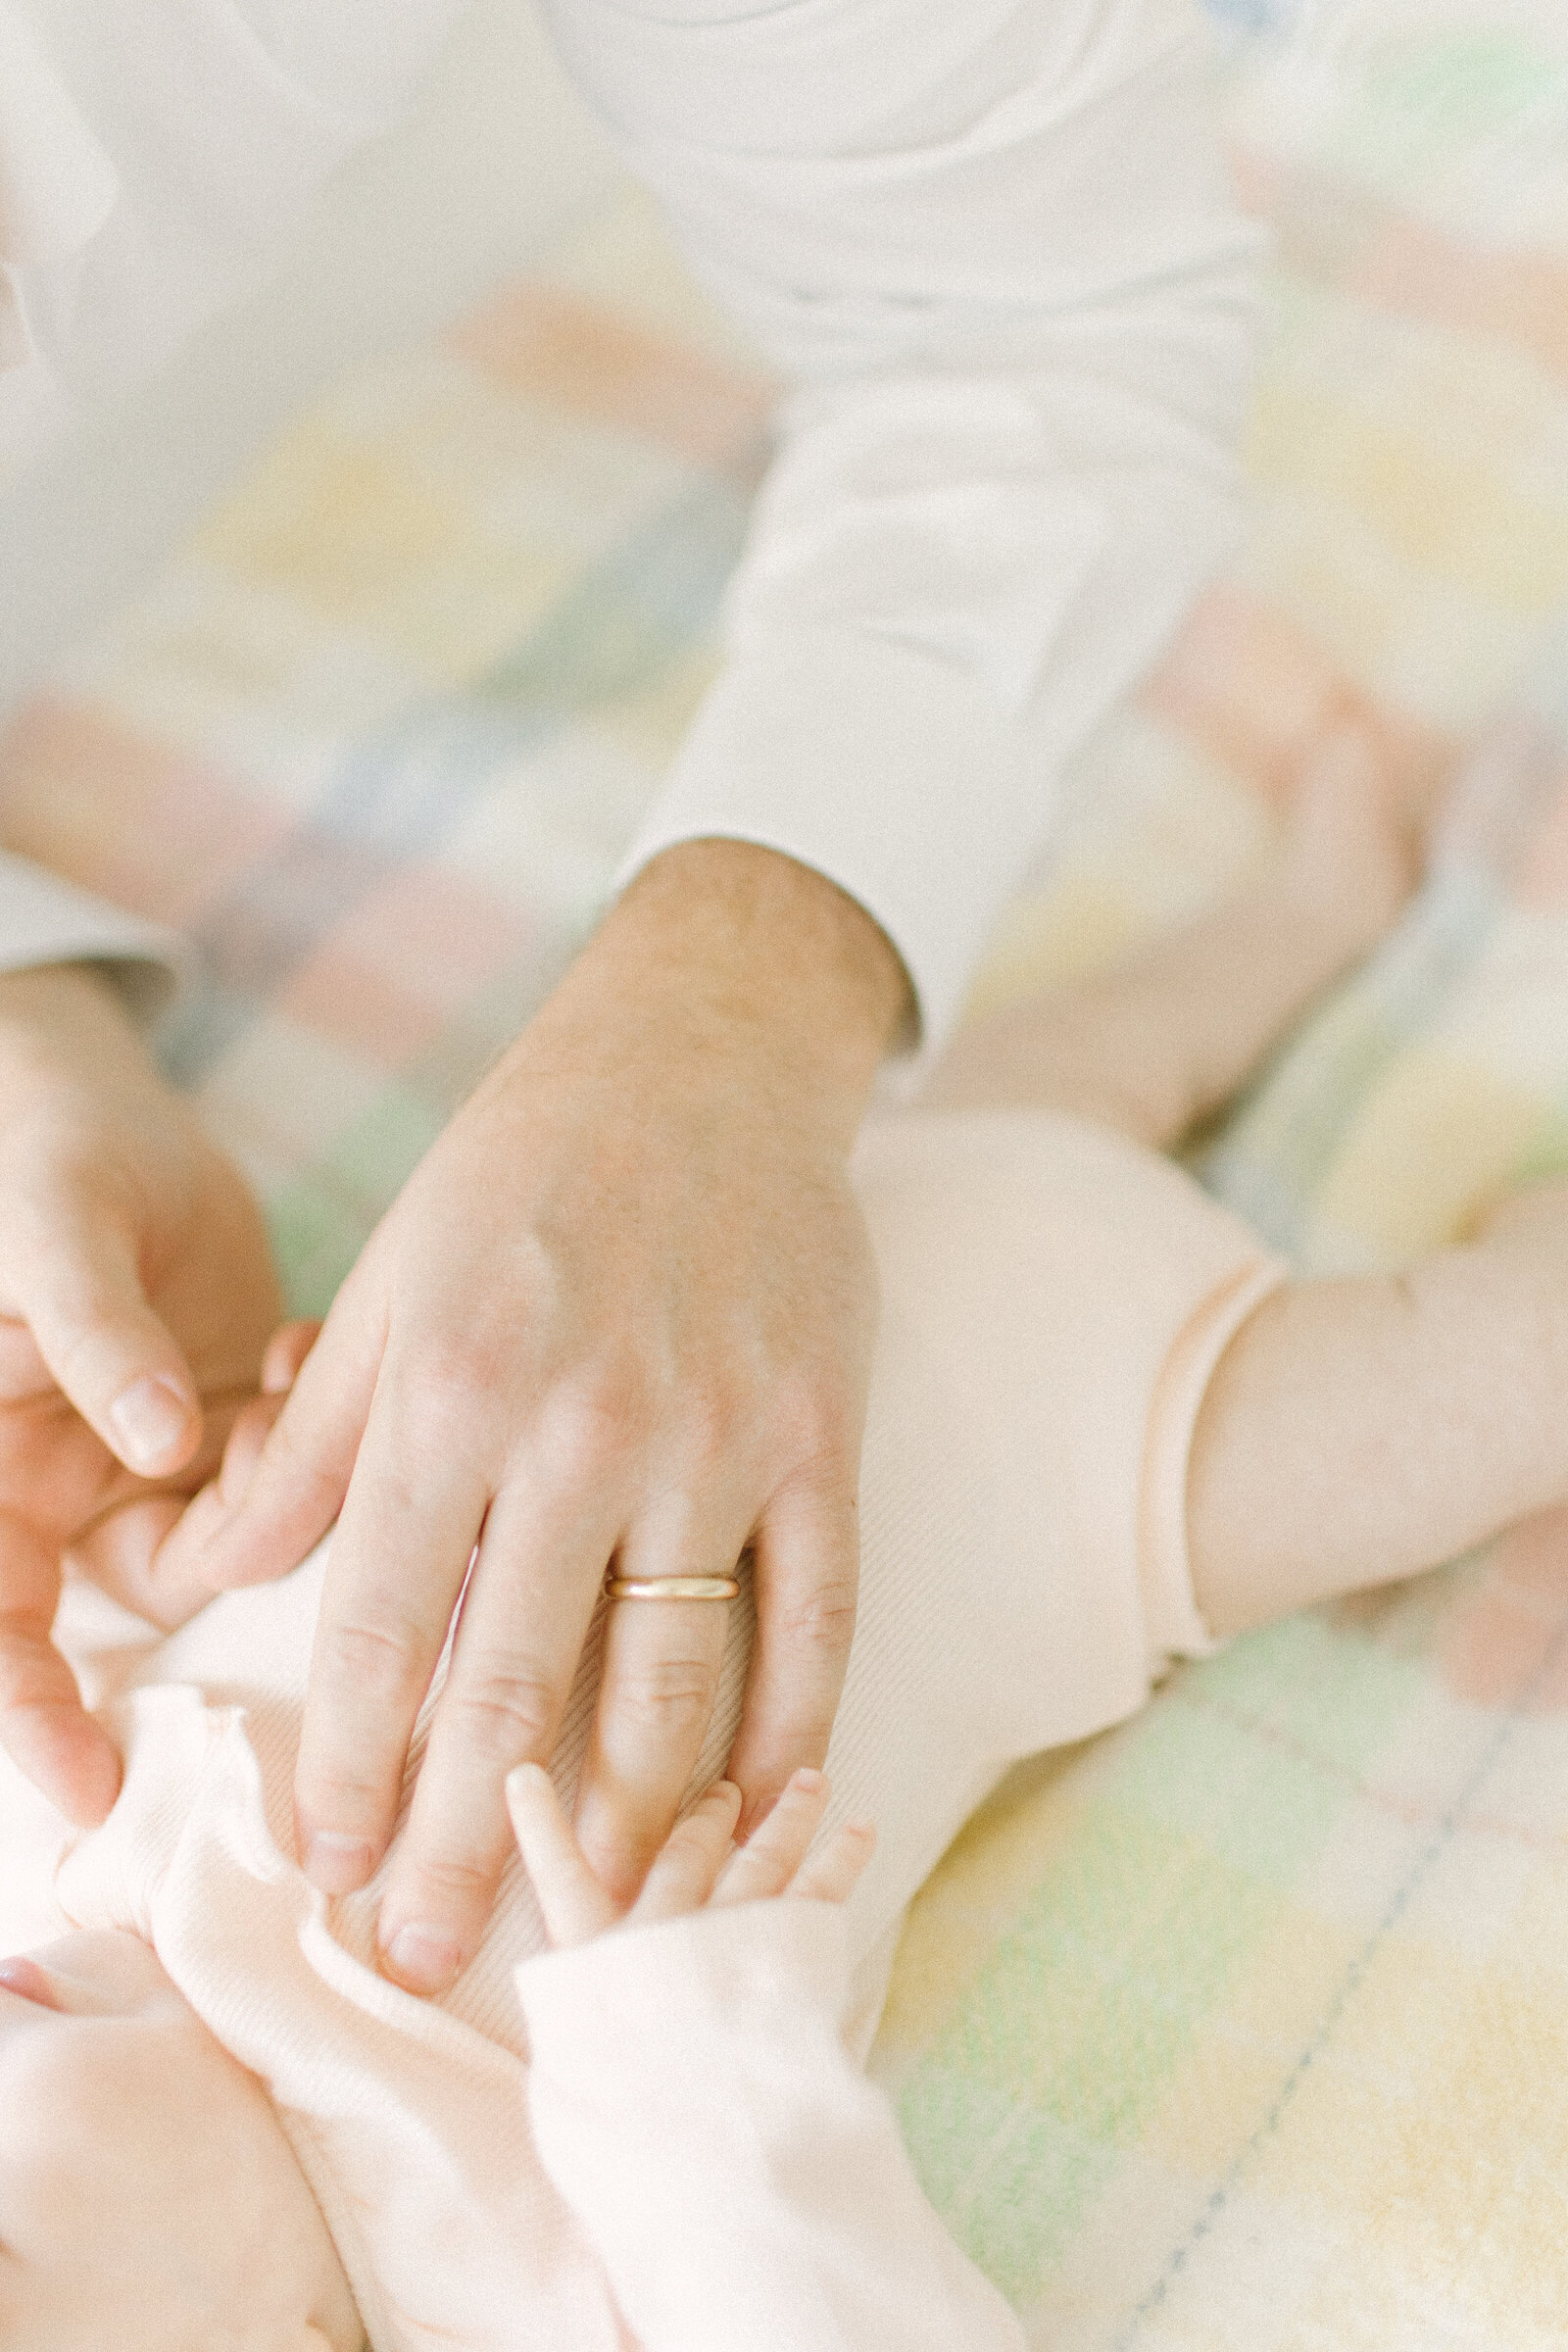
(808, 1782)
(149, 1419)
(26, 1978)
(337, 1865)
(422, 1959)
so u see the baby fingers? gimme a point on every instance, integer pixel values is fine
(696, 1866)
(688, 1864)
(766, 1864)
(576, 1905)
(830, 1875)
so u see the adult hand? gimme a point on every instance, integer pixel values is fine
(137, 1298)
(623, 1310)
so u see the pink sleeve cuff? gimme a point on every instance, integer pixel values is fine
(1176, 1626)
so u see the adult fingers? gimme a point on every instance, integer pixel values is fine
(776, 1850)
(525, 1616)
(807, 1554)
(272, 1505)
(691, 1858)
(656, 1699)
(43, 1725)
(832, 1873)
(73, 1276)
(575, 1904)
(397, 1565)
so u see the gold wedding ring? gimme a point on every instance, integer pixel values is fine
(671, 1587)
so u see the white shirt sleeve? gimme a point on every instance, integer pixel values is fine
(46, 920)
(994, 248)
(153, 161)
(992, 245)
(740, 2181)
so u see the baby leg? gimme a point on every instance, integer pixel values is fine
(1155, 1046)
(1355, 1432)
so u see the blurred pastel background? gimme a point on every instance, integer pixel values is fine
(356, 646)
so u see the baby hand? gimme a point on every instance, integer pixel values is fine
(697, 1868)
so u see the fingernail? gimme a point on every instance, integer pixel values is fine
(337, 1865)
(26, 1977)
(807, 1781)
(422, 1959)
(149, 1419)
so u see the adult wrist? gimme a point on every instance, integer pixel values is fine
(758, 957)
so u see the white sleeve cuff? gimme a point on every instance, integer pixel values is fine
(821, 746)
(46, 920)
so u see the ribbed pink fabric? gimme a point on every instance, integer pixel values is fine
(1053, 1302)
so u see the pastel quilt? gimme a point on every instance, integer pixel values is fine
(1246, 2028)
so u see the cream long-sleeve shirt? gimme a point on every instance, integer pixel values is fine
(992, 247)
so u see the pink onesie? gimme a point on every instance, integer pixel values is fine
(658, 2140)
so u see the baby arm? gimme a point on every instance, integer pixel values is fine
(1160, 1042)
(1358, 1431)
(692, 2101)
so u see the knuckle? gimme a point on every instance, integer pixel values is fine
(379, 1662)
(601, 1417)
(344, 1801)
(459, 1378)
(668, 1697)
(818, 1428)
(447, 1885)
(721, 1429)
(821, 1622)
(504, 1709)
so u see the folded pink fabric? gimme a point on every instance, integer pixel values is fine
(1053, 1302)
